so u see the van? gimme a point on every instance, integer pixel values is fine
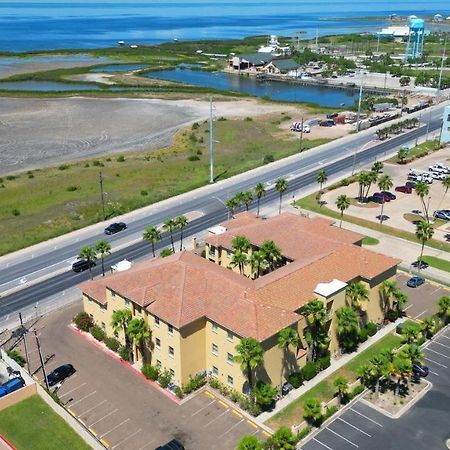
(12, 385)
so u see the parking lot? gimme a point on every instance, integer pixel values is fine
(125, 411)
(424, 426)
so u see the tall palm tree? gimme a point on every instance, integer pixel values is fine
(240, 198)
(286, 338)
(422, 190)
(139, 333)
(239, 259)
(260, 192)
(250, 355)
(429, 326)
(153, 235)
(104, 248)
(400, 300)
(347, 328)
(379, 366)
(89, 254)
(120, 321)
(363, 182)
(384, 183)
(321, 178)
(357, 293)
(231, 205)
(365, 373)
(424, 232)
(371, 179)
(387, 290)
(446, 185)
(444, 308)
(342, 203)
(402, 155)
(272, 253)
(402, 370)
(240, 243)
(413, 353)
(169, 226)
(181, 222)
(340, 385)
(281, 186)
(315, 334)
(247, 199)
(410, 334)
(258, 262)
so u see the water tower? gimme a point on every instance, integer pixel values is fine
(416, 35)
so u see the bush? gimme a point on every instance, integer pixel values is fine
(17, 357)
(71, 188)
(264, 395)
(221, 119)
(164, 378)
(248, 119)
(357, 390)
(63, 167)
(83, 321)
(254, 410)
(303, 433)
(363, 335)
(296, 379)
(371, 328)
(112, 343)
(120, 158)
(144, 193)
(179, 392)
(124, 353)
(329, 412)
(108, 159)
(214, 383)
(309, 371)
(195, 383)
(30, 175)
(97, 163)
(268, 159)
(97, 333)
(193, 138)
(392, 315)
(194, 158)
(195, 126)
(166, 252)
(323, 362)
(11, 177)
(150, 372)
(15, 212)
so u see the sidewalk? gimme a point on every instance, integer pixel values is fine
(335, 365)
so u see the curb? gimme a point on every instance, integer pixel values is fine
(5, 441)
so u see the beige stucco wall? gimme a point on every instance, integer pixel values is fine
(17, 396)
(192, 349)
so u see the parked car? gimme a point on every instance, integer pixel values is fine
(80, 265)
(404, 189)
(415, 281)
(420, 264)
(441, 214)
(389, 194)
(327, 123)
(419, 370)
(410, 184)
(115, 228)
(11, 385)
(60, 374)
(174, 444)
(286, 388)
(382, 196)
(375, 199)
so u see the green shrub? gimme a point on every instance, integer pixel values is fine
(108, 159)
(195, 126)
(71, 188)
(363, 335)
(221, 119)
(144, 193)
(120, 158)
(296, 379)
(194, 383)
(150, 372)
(323, 362)
(371, 328)
(248, 119)
(193, 137)
(309, 371)
(179, 392)
(164, 378)
(254, 410)
(357, 390)
(303, 433)
(330, 411)
(17, 357)
(83, 321)
(166, 252)
(97, 163)
(268, 159)
(421, 340)
(30, 175)
(11, 177)
(97, 333)
(1, 180)
(264, 395)
(193, 158)
(63, 167)
(392, 315)
(112, 343)
(214, 383)
(124, 353)
(199, 152)
(15, 212)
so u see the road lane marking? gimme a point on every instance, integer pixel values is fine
(353, 426)
(421, 314)
(446, 337)
(321, 443)
(435, 362)
(443, 345)
(218, 417)
(83, 398)
(434, 373)
(368, 418)
(104, 417)
(128, 437)
(438, 353)
(342, 437)
(146, 445)
(201, 409)
(91, 409)
(115, 428)
(229, 429)
(74, 389)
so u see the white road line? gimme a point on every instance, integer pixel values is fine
(114, 428)
(353, 426)
(368, 418)
(128, 437)
(443, 345)
(201, 409)
(409, 306)
(104, 417)
(146, 445)
(83, 398)
(321, 443)
(437, 353)
(444, 336)
(435, 362)
(91, 409)
(218, 417)
(434, 373)
(229, 429)
(255, 432)
(74, 389)
(342, 437)
(421, 314)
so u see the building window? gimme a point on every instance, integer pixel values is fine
(170, 329)
(230, 358)
(230, 380)
(230, 336)
(171, 351)
(215, 349)
(157, 321)
(138, 309)
(158, 363)
(172, 373)
(127, 303)
(103, 326)
(89, 299)
(215, 371)
(158, 343)
(113, 294)
(214, 327)
(212, 250)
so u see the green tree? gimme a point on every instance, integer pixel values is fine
(89, 254)
(249, 442)
(402, 370)
(169, 226)
(286, 338)
(379, 368)
(424, 232)
(240, 260)
(104, 248)
(422, 190)
(231, 205)
(120, 321)
(250, 355)
(400, 300)
(153, 235)
(181, 222)
(444, 308)
(429, 326)
(282, 439)
(413, 353)
(363, 182)
(247, 199)
(260, 192)
(446, 185)
(272, 254)
(258, 262)
(347, 328)
(139, 333)
(342, 203)
(377, 167)
(410, 333)
(165, 252)
(340, 385)
(265, 394)
(402, 154)
(387, 290)
(357, 293)
(240, 244)
(281, 186)
(240, 198)
(365, 373)
(312, 411)
(321, 178)
(315, 333)
(384, 183)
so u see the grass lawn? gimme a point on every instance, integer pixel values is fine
(31, 424)
(324, 391)
(368, 240)
(437, 263)
(42, 204)
(418, 151)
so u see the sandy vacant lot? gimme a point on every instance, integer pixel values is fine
(40, 132)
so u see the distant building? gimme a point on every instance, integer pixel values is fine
(445, 132)
(282, 67)
(394, 32)
(252, 62)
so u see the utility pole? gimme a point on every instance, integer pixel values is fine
(42, 361)
(359, 107)
(24, 330)
(102, 197)
(211, 143)
(301, 137)
(440, 71)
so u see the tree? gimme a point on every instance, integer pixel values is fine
(240, 260)
(347, 328)
(104, 248)
(377, 167)
(413, 352)
(247, 199)
(402, 155)
(342, 203)
(181, 222)
(240, 198)
(340, 385)
(357, 293)
(232, 205)
(272, 253)
(169, 226)
(249, 442)
(424, 232)
(139, 333)
(120, 321)
(286, 338)
(365, 373)
(410, 333)
(153, 235)
(363, 182)
(240, 244)
(371, 179)
(315, 333)
(422, 190)
(444, 308)
(281, 186)
(260, 192)
(89, 254)
(402, 370)
(404, 81)
(400, 300)
(379, 367)
(282, 439)
(265, 394)
(446, 185)
(250, 355)
(429, 326)
(321, 178)
(258, 262)
(387, 290)
(312, 411)
(384, 183)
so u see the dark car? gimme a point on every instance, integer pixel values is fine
(115, 228)
(60, 374)
(174, 444)
(420, 371)
(375, 199)
(382, 196)
(420, 264)
(404, 189)
(410, 184)
(415, 282)
(286, 388)
(389, 194)
(82, 265)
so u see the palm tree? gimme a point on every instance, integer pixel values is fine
(260, 192)
(429, 326)
(424, 232)
(402, 370)
(410, 333)
(371, 179)
(342, 203)
(287, 337)
(357, 293)
(250, 355)
(169, 226)
(402, 154)
(89, 254)
(247, 199)
(231, 205)
(413, 352)
(400, 300)
(312, 411)
(347, 328)
(365, 373)
(444, 308)
(281, 186)
(340, 385)
(240, 243)
(377, 167)
(384, 183)
(120, 321)
(422, 190)
(258, 262)
(321, 178)
(240, 198)
(379, 369)
(363, 182)
(181, 222)
(272, 253)
(249, 442)
(315, 334)
(139, 333)
(153, 235)
(240, 260)
(446, 185)
(104, 248)
(387, 290)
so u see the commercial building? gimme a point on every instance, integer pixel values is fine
(198, 308)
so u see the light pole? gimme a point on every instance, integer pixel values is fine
(24, 330)
(211, 143)
(42, 361)
(440, 72)
(102, 197)
(301, 136)
(358, 116)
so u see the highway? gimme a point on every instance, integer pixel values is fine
(336, 159)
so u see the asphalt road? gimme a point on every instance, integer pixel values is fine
(335, 160)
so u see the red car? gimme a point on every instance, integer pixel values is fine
(404, 189)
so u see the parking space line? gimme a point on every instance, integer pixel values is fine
(368, 418)
(126, 439)
(115, 428)
(353, 426)
(444, 336)
(251, 424)
(201, 409)
(218, 417)
(434, 362)
(229, 429)
(342, 437)
(146, 445)
(83, 398)
(236, 413)
(104, 417)
(443, 345)
(438, 353)
(91, 409)
(208, 394)
(321, 443)
(223, 404)
(266, 433)
(434, 373)
(104, 443)
(421, 314)
(74, 389)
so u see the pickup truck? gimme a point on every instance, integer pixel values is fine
(11, 385)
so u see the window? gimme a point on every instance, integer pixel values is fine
(214, 327)
(138, 309)
(91, 316)
(215, 371)
(230, 336)
(215, 349)
(113, 294)
(172, 373)
(89, 299)
(158, 363)
(212, 250)
(103, 326)
(127, 303)
(230, 358)
(171, 351)
(230, 380)
(116, 334)
(157, 321)
(170, 329)
(158, 343)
